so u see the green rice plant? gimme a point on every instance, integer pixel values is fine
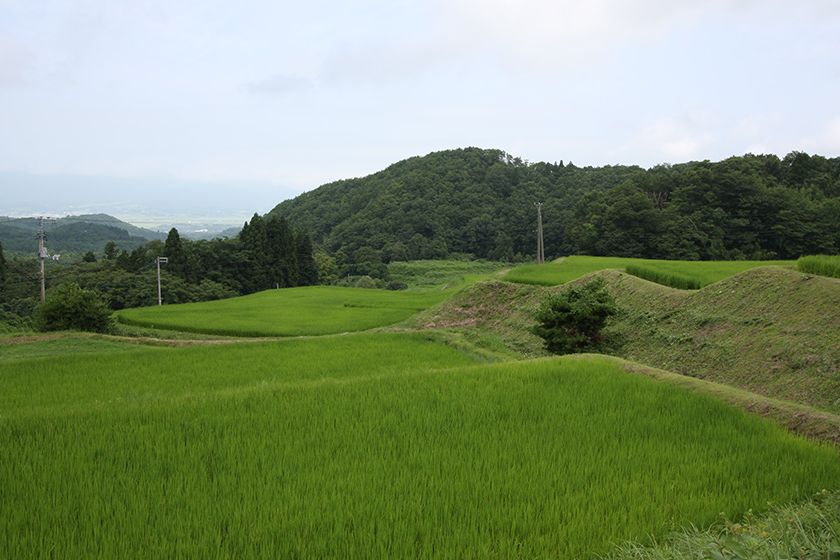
(824, 265)
(40, 378)
(671, 279)
(695, 273)
(311, 310)
(366, 446)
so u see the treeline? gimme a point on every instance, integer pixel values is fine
(480, 203)
(267, 254)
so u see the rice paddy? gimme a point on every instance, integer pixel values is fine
(824, 265)
(311, 310)
(369, 445)
(677, 274)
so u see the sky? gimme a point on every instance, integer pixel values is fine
(161, 107)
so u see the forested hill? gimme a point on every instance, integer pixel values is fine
(481, 202)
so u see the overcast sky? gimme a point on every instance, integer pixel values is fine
(261, 100)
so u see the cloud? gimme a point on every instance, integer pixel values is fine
(570, 33)
(672, 139)
(278, 84)
(16, 62)
(831, 136)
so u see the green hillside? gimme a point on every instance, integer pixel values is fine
(481, 202)
(769, 330)
(334, 447)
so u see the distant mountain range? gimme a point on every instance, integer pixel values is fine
(73, 234)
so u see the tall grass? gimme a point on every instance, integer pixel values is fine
(824, 265)
(671, 279)
(261, 451)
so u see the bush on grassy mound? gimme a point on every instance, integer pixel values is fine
(572, 321)
(823, 265)
(70, 307)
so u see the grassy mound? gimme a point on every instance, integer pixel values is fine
(311, 310)
(768, 330)
(388, 445)
(676, 274)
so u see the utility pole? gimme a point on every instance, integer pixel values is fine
(42, 256)
(160, 260)
(540, 246)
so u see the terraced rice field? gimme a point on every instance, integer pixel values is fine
(311, 310)
(677, 274)
(367, 445)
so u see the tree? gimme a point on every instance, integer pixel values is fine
(572, 320)
(89, 257)
(307, 269)
(69, 307)
(173, 249)
(111, 251)
(326, 267)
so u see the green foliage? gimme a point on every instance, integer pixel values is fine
(824, 265)
(69, 307)
(89, 257)
(2, 274)
(572, 320)
(110, 251)
(326, 267)
(336, 447)
(671, 279)
(481, 202)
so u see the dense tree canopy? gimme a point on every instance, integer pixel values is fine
(480, 202)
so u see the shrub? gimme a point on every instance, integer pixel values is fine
(69, 307)
(824, 265)
(572, 320)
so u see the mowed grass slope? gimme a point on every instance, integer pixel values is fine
(676, 273)
(311, 310)
(261, 451)
(769, 330)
